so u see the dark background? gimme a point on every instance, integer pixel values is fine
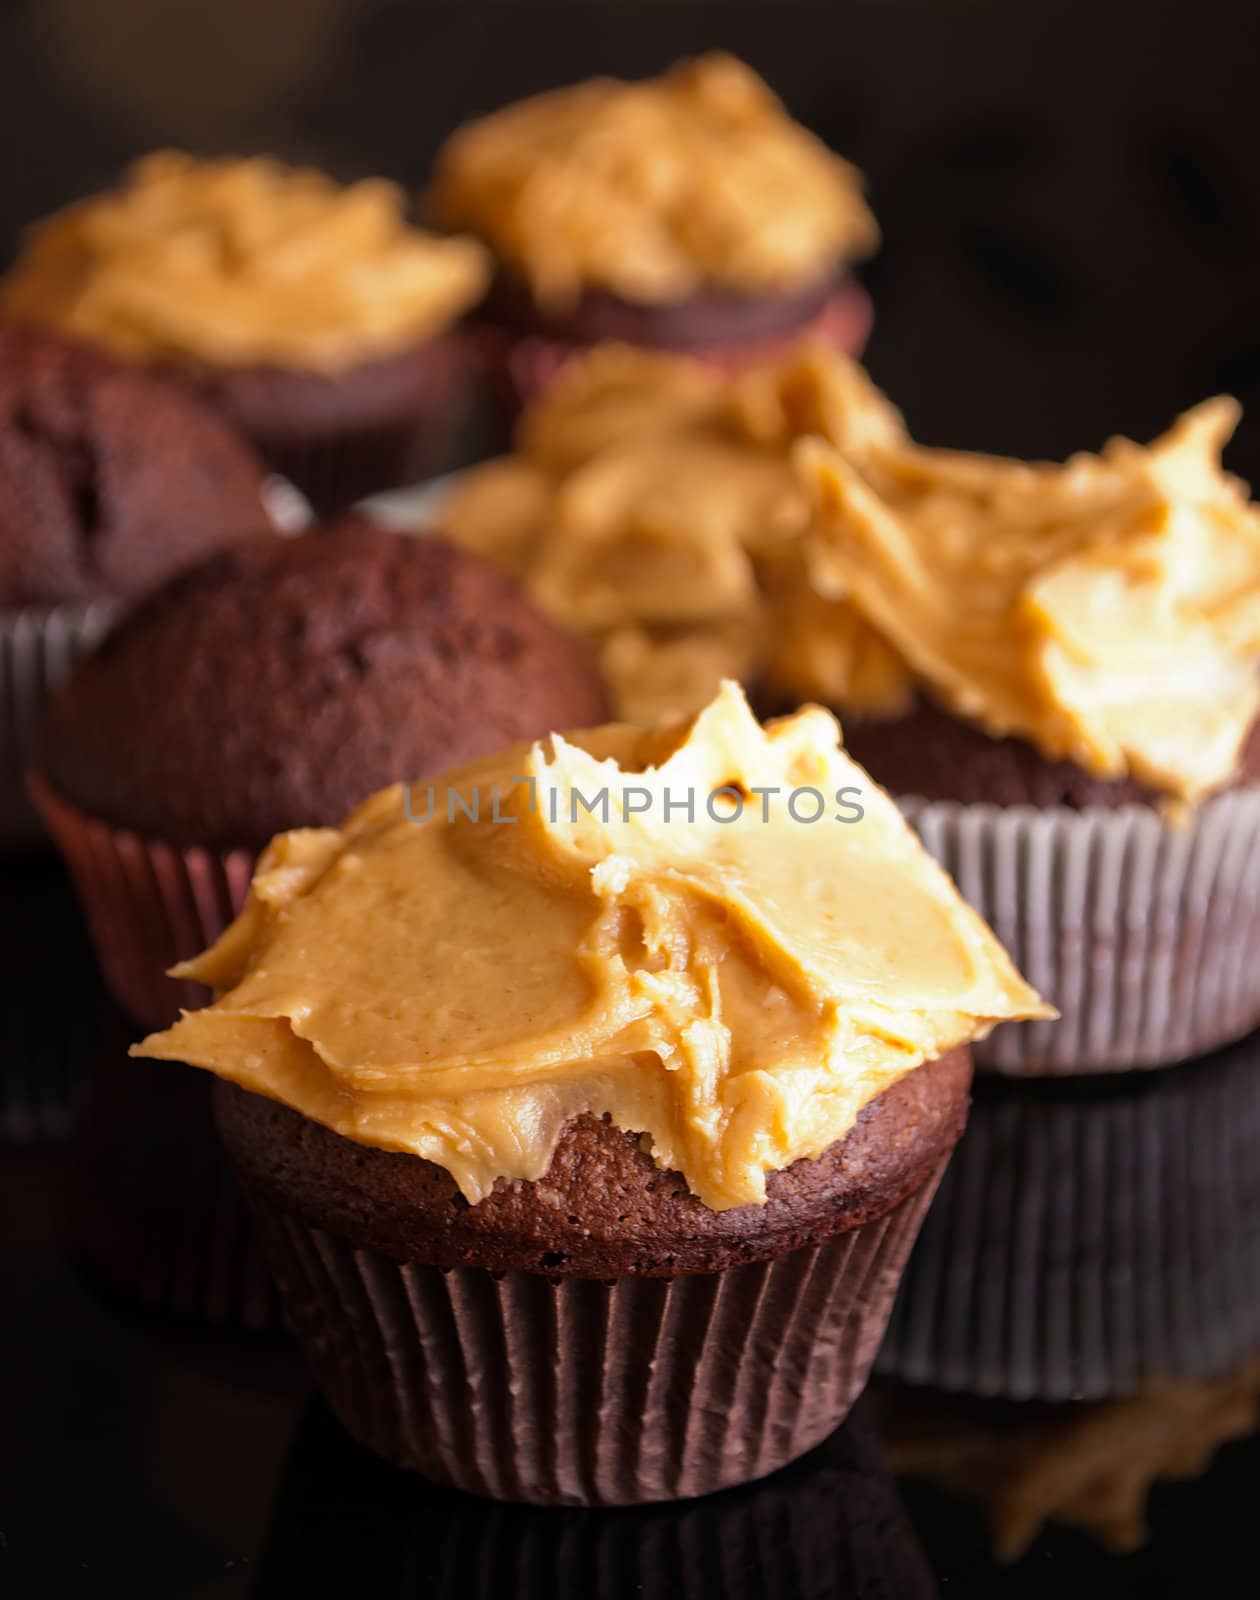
(1069, 192)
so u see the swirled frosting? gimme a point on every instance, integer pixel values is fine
(242, 263)
(693, 958)
(1107, 610)
(653, 505)
(653, 190)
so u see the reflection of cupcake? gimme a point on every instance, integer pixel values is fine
(1088, 637)
(688, 212)
(587, 1152)
(110, 481)
(1092, 1236)
(652, 505)
(831, 1527)
(272, 687)
(312, 314)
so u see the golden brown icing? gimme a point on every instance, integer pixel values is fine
(1107, 609)
(243, 263)
(653, 505)
(735, 986)
(653, 190)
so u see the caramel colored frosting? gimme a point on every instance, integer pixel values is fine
(734, 985)
(654, 506)
(655, 190)
(1108, 609)
(243, 263)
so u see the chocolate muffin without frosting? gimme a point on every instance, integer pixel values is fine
(111, 480)
(280, 683)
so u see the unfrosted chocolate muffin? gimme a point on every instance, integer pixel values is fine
(111, 479)
(279, 683)
(275, 686)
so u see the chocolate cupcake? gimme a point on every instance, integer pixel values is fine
(685, 213)
(1092, 1237)
(1083, 643)
(271, 687)
(652, 505)
(313, 315)
(110, 481)
(586, 1143)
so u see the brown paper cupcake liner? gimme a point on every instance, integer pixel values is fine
(38, 647)
(148, 904)
(1142, 933)
(1091, 1236)
(573, 1391)
(336, 467)
(159, 1217)
(522, 368)
(830, 1527)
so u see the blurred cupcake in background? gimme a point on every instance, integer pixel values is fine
(312, 314)
(686, 212)
(1085, 643)
(587, 1149)
(652, 505)
(111, 480)
(270, 688)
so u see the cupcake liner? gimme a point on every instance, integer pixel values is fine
(521, 368)
(335, 466)
(148, 904)
(38, 647)
(1091, 1236)
(831, 1527)
(159, 1217)
(572, 1391)
(1142, 933)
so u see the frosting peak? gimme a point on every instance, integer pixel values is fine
(1107, 609)
(242, 263)
(648, 926)
(655, 189)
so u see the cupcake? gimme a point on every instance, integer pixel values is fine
(1083, 642)
(312, 314)
(588, 1099)
(687, 212)
(652, 505)
(1092, 1237)
(272, 687)
(110, 481)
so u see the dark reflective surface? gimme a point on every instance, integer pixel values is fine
(143, 1454)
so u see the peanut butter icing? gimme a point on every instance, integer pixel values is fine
(654, 190)
(689, 958)
(243, 263)
(1107, 609)
(654, 506)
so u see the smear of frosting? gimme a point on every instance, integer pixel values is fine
(692, 956)
(243, 263)
(653, 190)
(1107, 609)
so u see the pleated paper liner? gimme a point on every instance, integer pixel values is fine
(1091, 1236)
(1142, 933)
(158, 1217)
(831, 1527)
(37, 649)
(572, 1391)
(521, 368)
(148, 904)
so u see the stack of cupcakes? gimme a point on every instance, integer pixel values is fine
(687, 212)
